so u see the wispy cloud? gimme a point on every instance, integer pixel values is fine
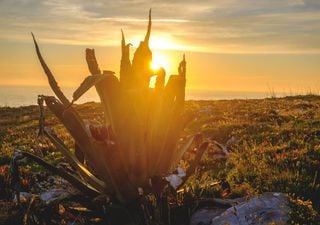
(242, 26)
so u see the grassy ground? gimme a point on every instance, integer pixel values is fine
(276, 143)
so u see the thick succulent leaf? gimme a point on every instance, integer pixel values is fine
(78, 183)
(88, 82)
(109, 93)
(71, 120)
(73, 123)
(141, 71)
(108, 90)
(101, 157)
(79, 153)
(160, 81)
(107, 162)
(147, 37)
(160, 123)
(92, 61)
(182, 67)
(53, 83)
(125, 64)
(167, 124)
(84, 172)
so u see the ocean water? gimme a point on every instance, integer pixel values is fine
(15, 96)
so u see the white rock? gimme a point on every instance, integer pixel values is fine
(174, 180)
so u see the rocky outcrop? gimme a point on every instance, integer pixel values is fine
(263, 209)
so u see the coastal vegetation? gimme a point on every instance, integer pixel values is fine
(275, 147)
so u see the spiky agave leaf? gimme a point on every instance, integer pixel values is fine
(78, 183)
(74, 124)
(75, 163)
(92, 62)
(119, 113)
(125, 64)
(104, 158)
(88, 82)
(141, 71)
(52, 81)
(167, 125)
(108, 90)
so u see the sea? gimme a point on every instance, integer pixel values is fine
(16, 96)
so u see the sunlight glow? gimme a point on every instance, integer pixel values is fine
(164, 43)
(159, 60)
(160, 42)
(152, 82)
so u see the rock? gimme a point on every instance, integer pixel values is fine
(175, 179)
(54, 195)
(264, 209)
(205, 215)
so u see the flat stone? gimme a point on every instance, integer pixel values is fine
(54, 195)
(204, 216)
(264, 209)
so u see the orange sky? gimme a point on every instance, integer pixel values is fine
(229, 45)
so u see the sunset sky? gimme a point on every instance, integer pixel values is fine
(233, 45)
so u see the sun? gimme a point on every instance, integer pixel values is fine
(159, 60)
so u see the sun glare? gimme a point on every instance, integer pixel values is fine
(159, 43)
(163, 43)
(152, 83)
(159, 60)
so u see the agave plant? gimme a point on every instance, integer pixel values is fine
(139, 139)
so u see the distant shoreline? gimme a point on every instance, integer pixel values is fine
(306, 97)
(16, 96)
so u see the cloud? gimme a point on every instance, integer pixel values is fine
(233, 26)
